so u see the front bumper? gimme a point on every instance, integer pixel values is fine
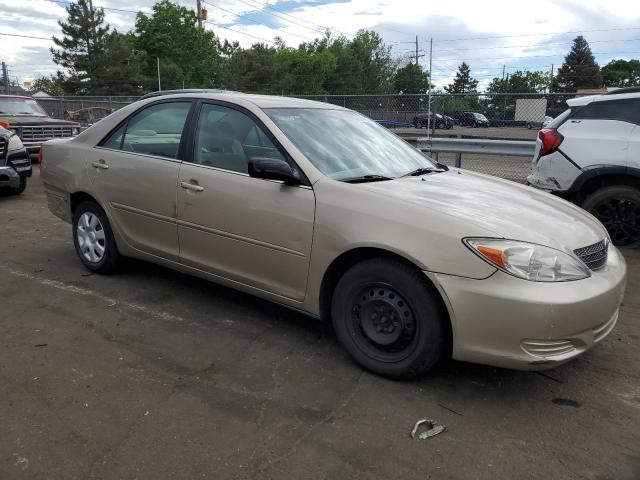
(9, 178)
(513, 323)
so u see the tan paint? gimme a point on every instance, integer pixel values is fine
(278, 241)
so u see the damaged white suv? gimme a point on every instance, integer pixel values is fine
(590, 155)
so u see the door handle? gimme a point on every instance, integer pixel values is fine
(191, 186)
(101, 164)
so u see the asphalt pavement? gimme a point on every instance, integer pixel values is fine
(153, 374)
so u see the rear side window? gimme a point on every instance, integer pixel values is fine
(156, 130)
(559, 120)
(627, 110)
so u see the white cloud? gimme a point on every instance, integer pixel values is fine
(536, 28)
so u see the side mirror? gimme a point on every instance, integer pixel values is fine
(273, 169)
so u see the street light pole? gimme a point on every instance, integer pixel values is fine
(158, 64)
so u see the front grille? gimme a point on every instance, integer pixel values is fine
(594, 256)
(45, 132)
(3, 147)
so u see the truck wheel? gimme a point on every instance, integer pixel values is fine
(389, 318)
(618, 208)
(93, 238)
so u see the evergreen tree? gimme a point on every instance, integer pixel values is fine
(82, 49)
(464, 82)
(579, 69)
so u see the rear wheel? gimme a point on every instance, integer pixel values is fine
(93, 238)
(389, 318)
(618, 208)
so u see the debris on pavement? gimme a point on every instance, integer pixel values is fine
(433, 429)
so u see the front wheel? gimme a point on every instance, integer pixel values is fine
(93, 238)
(618, 208)
(389, 318)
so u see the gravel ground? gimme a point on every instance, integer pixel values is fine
(152, 374)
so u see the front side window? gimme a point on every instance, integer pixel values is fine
(156, 130)
(343, 144)
(227, 138)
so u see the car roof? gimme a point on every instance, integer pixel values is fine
(618, 94)
(16, 96)
(261, 101)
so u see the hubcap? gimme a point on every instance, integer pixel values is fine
(91, 238)
(382, 323)
(621, 218)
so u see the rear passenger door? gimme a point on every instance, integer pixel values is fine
(134, 171)
(252, 231)
(599, 133)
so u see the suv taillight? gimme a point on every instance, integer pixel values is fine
(551, 140)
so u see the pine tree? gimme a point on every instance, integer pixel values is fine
(82, 49)
(464, 82)
(579, 69)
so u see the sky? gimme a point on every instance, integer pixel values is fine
(489, 35)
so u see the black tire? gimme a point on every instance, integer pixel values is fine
(618, 208)
(389, 318)
(110, 258)
(22, 187)
(441, 125)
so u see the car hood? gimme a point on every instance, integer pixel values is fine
(497, 208)
(20, 120)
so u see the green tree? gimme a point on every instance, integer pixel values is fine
(82, 49)
(520, 82)
(463, 82)
(621, 73)
(411, 79)
(188, 55)
(51, 85)
(127, 70)
(579, 69)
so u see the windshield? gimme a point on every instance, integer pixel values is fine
(343, 144)
(21, 106)
(479, 116)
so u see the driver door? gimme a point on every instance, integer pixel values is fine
(252, 231)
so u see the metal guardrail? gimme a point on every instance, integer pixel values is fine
(517, 148)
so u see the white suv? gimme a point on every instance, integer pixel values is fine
(590, 155)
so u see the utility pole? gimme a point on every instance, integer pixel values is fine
(551, 79)
(430, 78)
(416, 49)
(5, 77)
(158, 64)
(199, 7)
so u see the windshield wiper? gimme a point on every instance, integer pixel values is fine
(366, 178)
(423, 171)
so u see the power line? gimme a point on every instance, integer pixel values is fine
(238, 31)
(25, 36)
(254, 21)
(537, 34)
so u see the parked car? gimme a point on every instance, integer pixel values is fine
(547, 120)
(590, 155)
(15, 165)
(421, 120)
(318, 208)
(25, 117)
(470, 119)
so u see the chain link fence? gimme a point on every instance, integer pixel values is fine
(497, 116)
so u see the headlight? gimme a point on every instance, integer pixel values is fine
(529, 261)
(15, 143)
(75, 131)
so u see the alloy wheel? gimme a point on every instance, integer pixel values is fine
(621, 218)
